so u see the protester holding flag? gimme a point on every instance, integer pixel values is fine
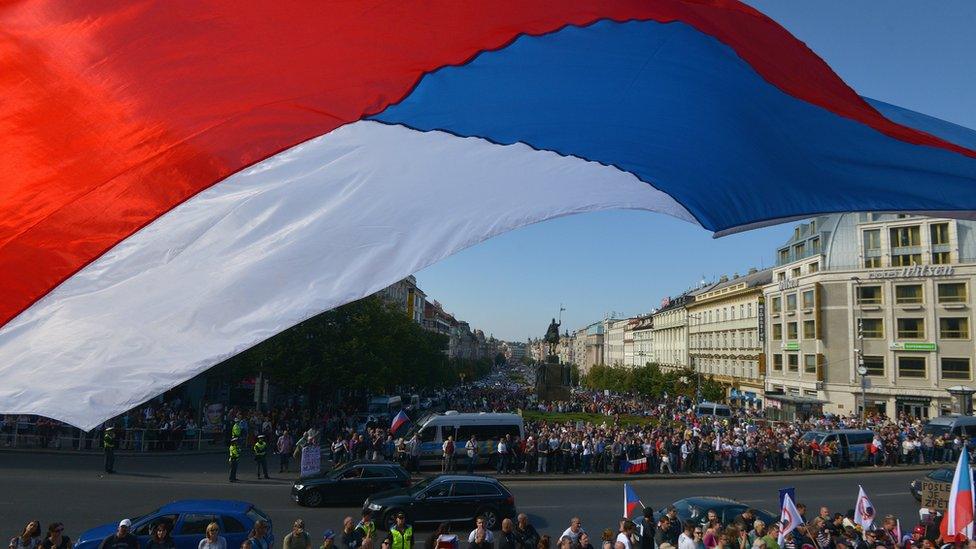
(789, 518)
(863, 510)
(959, 512)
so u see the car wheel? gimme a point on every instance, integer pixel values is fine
(491, 518)
(390, 519)
(312, 499)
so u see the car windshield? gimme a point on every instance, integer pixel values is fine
(419, 487)
(935, 429)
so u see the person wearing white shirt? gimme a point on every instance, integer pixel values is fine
(574, 530)
(626, 530)
(687, 538)
(480, 527)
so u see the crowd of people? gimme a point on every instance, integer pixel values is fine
(664, 530)
(624, 432)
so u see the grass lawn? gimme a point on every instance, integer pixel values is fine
(596, 419)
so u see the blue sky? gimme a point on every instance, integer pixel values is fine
(918, 55)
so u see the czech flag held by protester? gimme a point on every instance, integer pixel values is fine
(959, 512)
(631, 501)
(633, 466)
(400, 420)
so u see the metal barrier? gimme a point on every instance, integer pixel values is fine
(127, 440)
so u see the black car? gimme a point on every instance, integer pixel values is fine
(446, 498)
(942, 475)
(349, 484)
(696, 508)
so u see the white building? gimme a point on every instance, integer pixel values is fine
(643, 334)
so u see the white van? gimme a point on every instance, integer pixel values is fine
(486, 427)
(713, 409)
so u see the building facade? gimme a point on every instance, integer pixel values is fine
(614, 330)
(724, 334)
(671, 332)
(579, 348)
(643, 334)
(890, 293)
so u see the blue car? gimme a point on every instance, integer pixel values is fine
(190, 518)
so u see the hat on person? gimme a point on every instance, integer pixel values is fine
(329, 534)
(920, 530)
(401, 514)
(110, 428)
(125, 522)
(260, 436)
(235, 439)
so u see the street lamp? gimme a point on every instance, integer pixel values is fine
(859, 349)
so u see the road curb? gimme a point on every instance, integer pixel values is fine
(72, 453)
(687, 476)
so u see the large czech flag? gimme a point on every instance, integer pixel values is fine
(182, 180)
(959, 511)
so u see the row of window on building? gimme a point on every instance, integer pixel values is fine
(914, 367)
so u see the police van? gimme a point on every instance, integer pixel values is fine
(852, 444)
(486, 427)
(713, 409)
(953, 425)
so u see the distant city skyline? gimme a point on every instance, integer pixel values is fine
(915, 56)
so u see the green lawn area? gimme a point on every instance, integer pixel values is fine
(596, 419)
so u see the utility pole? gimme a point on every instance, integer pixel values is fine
(859, 349)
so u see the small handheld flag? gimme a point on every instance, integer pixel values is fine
(633, 466)
(399, 421)
(790, 518)
(864, 512)
(631, 501)
(959, 512)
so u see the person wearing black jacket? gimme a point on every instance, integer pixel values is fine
(662, 532)
(526, 536)
(646, 529)
(506, 538)
(674, 530)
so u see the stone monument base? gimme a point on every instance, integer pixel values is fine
(552, 380)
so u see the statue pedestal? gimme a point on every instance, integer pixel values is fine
(552, 380)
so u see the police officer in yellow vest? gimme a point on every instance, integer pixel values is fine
(261, 456)
(401, 533)
(235, 454)
(108, 444)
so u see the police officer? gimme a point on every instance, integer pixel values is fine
(401, 533)
(108, 444)
(234, 455)
(261, 456)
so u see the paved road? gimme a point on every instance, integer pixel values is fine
(70, 489)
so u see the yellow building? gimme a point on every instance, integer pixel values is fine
(724, 338)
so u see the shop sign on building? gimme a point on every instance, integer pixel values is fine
(913, 346)
(791, 345)
(915, 271)
(761, 313)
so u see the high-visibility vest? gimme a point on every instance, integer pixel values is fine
(235, 430)
(235, 452)
(108, 441)
(402, 540)
(260, 449)
(368, 528)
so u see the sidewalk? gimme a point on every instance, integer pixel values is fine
(863, 470)
(522, 477)
(121, 453)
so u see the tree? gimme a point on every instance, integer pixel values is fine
(366, 345)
